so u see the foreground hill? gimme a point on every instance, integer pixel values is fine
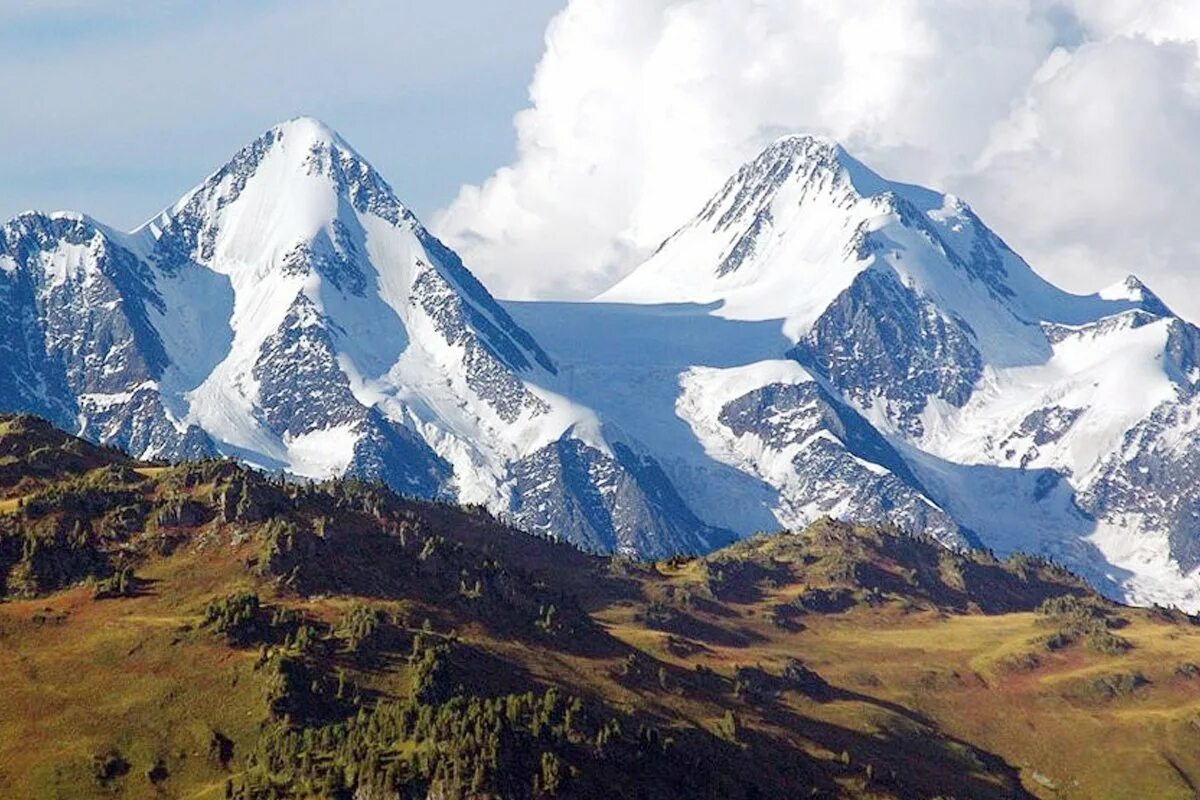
(202, 631)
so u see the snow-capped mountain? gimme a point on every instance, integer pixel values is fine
(921, 372)
(817, 340)
(291, 312)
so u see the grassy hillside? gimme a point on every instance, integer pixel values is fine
(202, 631)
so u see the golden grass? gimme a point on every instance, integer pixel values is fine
(117, 674)
(150, 472)
(126, 674)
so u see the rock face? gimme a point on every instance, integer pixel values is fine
(881, 342)
(619, 502)
(289, 311)
(839, 464)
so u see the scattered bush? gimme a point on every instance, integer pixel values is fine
(236, 616)
(109, 766)
(1086, 619)
(122, 583)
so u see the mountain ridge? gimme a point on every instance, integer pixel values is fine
(817, 341)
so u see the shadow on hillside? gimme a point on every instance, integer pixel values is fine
(913, 758)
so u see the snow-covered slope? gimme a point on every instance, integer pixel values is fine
(291, 312)
(1033, 418)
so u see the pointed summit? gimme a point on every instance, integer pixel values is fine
(1132, 288)
(298, 182)
(809, 159)
(769, 240)
(797, 165)
(312, 148)
(301, 137)
(309, 130)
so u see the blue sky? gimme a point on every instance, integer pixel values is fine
(116, 108)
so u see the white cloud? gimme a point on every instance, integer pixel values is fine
(1094, 172)
(1073, 127)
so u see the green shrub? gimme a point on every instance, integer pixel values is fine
(235, 615)
(122, 583)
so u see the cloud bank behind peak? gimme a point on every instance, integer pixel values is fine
(1072, 127)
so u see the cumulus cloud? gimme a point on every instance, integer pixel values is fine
(1094, 172)
(1073, 127)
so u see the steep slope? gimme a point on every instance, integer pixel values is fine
(775, 421)
(1033, 418)
(335, 307)
(291, 312)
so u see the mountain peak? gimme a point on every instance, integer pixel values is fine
(799, 194)
(302, 137)
(812, 156)
(307, 145)
(300, 147)
(64, 216)
(309, 129)
(1132, 288)
(805, 142)
(795, 169)
(805, 147)
(279, 191)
